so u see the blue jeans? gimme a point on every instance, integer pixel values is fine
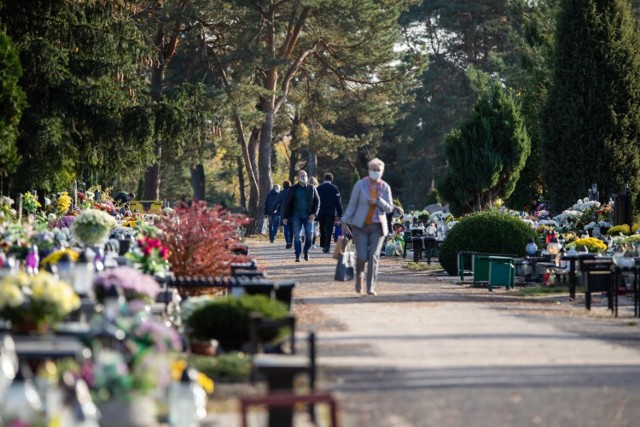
(288, 235)
(274, 222)
(298, 225)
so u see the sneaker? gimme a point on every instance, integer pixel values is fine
(289, 245)
(325, 250)
(297, 259)
(306, 256)
(358, 285)
(314, 247)
(372, 293)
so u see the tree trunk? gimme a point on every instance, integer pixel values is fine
(152, 179)
(198, 181)
(313, 164)
(152, 174)
(264, 164)
(243, 193)
(293, 161)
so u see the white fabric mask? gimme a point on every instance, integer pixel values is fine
(303, 180)
(375, 175)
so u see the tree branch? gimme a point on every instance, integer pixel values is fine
(287, 49)
(286, 82)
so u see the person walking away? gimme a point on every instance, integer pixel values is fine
(314, 226)
(330, 210)
(370, 201)
(273, 218)
(278, 207)
(301, 209)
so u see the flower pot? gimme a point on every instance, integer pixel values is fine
(136, 411)
(204, 348)
(27, 325)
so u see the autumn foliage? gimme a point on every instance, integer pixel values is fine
(199, 239)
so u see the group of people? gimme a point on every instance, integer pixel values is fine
(297, 207)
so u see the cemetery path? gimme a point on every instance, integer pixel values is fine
(428, 351)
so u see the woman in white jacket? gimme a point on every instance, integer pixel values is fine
(367, 211)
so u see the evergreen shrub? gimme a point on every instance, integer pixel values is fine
(227, 320)
(486, 231)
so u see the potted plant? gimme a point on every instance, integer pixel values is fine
(34, 303)
(134, 284)
(92, 226)
(126, 375)
(227, 319)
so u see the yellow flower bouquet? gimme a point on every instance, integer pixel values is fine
(591, 243)
(36, 302)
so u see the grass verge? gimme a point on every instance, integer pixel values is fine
(421, 266)
(541, 290)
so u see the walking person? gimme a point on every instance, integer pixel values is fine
(370, 201)
(330, 209)
(301, 208)
(273, 217)
(278, 206)
(314, 225)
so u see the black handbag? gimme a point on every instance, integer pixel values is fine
(345, 269)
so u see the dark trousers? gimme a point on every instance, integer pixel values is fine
(326, 230)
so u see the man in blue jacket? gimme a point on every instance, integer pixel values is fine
(271, 214)
(301, 208)
(330, 209)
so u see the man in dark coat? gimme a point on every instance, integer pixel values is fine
(301, 209)
(278, 207)
(330, 209)
(274, 219)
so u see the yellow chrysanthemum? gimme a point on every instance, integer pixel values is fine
(64, 202)
(56, 256)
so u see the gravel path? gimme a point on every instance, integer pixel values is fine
(430, 352)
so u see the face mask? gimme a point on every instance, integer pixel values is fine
(303, 180)
(375, 175)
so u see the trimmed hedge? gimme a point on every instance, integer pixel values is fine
(227, 320)
(486, 231)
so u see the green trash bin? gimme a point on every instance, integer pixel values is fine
(502, 271)
(480, 265)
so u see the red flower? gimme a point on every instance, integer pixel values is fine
(164, 252)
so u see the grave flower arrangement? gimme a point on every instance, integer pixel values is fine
(92, 226)
(151, 256)
(36, 302)
(64, 202)
(133, 284)
(30, 203)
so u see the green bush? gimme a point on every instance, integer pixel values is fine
(486, 231)
(227, 320)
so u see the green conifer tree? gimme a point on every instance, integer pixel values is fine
(591, 122)
(485, 154)
(12, 101)
(87, 116)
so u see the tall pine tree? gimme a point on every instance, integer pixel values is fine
(591, 122)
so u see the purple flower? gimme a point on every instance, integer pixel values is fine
(163, 337)
(134, 283)
(66, 221)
